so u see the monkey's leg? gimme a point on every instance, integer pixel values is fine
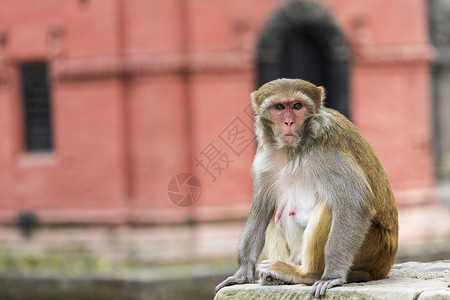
(313, 245)
(275, 249)
(358, 276)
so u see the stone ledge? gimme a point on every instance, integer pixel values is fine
(410, 280)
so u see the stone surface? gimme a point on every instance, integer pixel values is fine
(410, 280)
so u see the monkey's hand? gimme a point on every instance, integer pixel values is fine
(320, 287)
(244, 274)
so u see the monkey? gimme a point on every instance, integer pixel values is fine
(323, 212)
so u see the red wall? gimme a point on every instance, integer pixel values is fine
(141, 88)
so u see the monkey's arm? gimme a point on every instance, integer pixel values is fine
(343, 185)
(252, 239)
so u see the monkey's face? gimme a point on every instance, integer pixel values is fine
(287, 114)
(281, 107)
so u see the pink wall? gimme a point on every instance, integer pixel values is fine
(141, 88)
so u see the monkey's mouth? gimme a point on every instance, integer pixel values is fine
(289, 138)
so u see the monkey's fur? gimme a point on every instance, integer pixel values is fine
(346, 229)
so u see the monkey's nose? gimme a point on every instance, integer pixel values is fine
(288, 123)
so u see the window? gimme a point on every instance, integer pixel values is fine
(36, 107)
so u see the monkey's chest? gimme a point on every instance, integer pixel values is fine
(295, 202)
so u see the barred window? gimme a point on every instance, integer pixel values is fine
(36, 107)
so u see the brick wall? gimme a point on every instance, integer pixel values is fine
(145, 90)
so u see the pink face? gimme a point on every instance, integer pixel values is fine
(288, 114)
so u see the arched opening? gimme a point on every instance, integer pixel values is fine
(301, 40)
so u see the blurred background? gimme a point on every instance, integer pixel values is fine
(126, 135)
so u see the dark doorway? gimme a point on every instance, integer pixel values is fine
(301, 40)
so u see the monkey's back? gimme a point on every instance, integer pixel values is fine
(377, 253)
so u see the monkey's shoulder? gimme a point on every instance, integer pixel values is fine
(338, 134)
(338, 124)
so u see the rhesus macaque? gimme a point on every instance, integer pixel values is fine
(323, 209)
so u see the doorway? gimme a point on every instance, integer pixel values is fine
(301, 40)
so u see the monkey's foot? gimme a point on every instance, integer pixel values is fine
(269, 280)
(274, 272)
(320, 287)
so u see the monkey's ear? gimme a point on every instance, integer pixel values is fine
(253, 99)
(322, 95)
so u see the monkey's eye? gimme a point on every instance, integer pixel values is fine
(279, 106)
(297, 105)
